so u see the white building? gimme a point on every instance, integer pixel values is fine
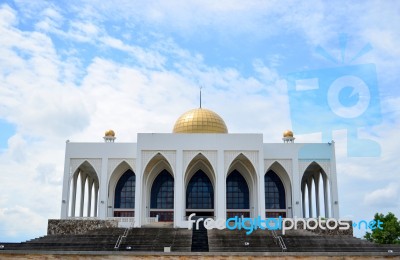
(199, 168)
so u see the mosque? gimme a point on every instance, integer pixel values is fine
(198, 168)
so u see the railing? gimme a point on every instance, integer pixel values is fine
(123, 221)
(123, 236)
(152, 219)
(279, 240)
(83, 218)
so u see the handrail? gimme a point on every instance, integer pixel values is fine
(118, 243)
(282, 243)
(121, 237)
(279, 239)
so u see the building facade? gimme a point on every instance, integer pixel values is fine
(199, 168)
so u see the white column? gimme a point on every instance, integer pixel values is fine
(261, 189)
(333, 184)
(220, 193)
(103, 189)
(310, 215)
(303, 200)
(74, 183)
(89, 205)
(316, 186)
(179, 191)
(83, 179)
(139, 191)
(65, 198)
(96, 198)
(296, 189)
(326, 202)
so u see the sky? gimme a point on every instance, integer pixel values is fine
(69, 70)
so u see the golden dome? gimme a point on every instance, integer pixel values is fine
(110, 133)
(200, 120)
(288, 133)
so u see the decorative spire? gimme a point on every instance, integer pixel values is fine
(200, 95)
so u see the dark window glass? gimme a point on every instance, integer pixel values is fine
(239, 214)
(199, 192)
(237, 192)
(124, 213)
(162, 191)
(274, 191)
(275, 214)
(125, 191)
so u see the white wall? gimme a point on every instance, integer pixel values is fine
(178, 149)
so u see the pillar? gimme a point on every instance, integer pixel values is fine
(326, 201)
(316, 186)
(303, 199)
(103, 189)
(83, 179)
(96, 198)
(89, 205)
(309, 182)
(179, 198)
(220, 193)
(66, 190)
(74, 183)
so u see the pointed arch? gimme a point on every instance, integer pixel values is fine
(192, 156)
(117, 177)
(199, 180)
(275, 197)
(158, 161)
(150, 157)
(86, 174)
(199, 162)
(282, 177)
(242, 166)
(157, 166)
(311, 178)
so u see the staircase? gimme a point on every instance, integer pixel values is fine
(96, 240)
(155, 239)
(137, 239)
(202, 240)
(199, 238)
(237, 241)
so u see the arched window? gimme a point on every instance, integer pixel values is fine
(162, 191)
(274, 191)
(237, 192)
(200, 192)
(124, 199)
(162, 197)
(125, 191)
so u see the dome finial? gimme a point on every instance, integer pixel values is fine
(288, 136)
(109, 136)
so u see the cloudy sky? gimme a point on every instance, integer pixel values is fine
(73, 69)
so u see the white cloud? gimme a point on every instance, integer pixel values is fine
(12, 218)
(387, 197)
(7, 16)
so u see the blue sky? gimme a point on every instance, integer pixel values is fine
(71, 70)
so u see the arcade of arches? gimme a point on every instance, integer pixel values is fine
(200, 194)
